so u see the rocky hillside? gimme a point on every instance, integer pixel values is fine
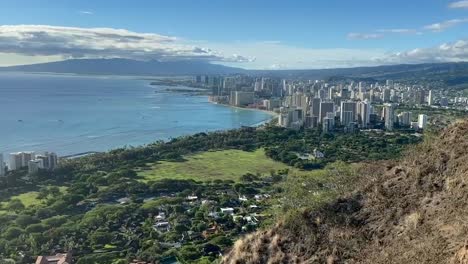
(412, 211)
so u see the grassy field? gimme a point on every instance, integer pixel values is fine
(29, 198)
(211, 165)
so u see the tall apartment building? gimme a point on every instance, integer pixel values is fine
(363, 111)
(404, 119)
(386, 95)
(346, 117)
(49, 160)
(326, 107)
(328, 123)
(422, 121)
(420, 97)
(389, 116)
(430, 98)
(239, 98)
(347, 112)
(19, 160)
(315, 107)
(35, 165)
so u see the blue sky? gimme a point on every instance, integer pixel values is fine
(263, 34)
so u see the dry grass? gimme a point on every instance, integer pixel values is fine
(412, 211)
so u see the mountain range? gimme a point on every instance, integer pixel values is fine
(126, 67)
(446, 74)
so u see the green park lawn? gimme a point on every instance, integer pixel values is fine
(28, 199)
(212, 165)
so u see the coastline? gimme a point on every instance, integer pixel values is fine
(271, 113)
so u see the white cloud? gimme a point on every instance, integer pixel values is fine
(282, 56)
(23, 44)
(270, 55)
(442, 26)
(400, 31)
(362, 36)
(73, 42)
(459, 4)
(381, 33)
(436, 27)
(86, 12)
(448, 52)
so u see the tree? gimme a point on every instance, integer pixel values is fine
(26, 220)
(15, 205)
(35, 228)
(189, 253)
(180, 228)
(221, 241)
(100, 238)
(210, 248)
(12, 232)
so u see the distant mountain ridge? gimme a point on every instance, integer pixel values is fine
(447, 74)
(126, 67)
(384, 71)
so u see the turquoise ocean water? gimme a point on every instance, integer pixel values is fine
(73, 114)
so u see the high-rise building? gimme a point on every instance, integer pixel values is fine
(258, 85)
(386, 94)
(2, 165)
(49, 160)
(444, 101)
(315, 107)
(404, 119)
(239, 98)
(322, 94)
(15, 161)
(422, 121)
(35, 165)
(20, 159)
(311, 121)
(420, 97)
(345, 117)
(389, 116)
(326, 107)
(389, 83)
(328, 123)
(430, 98)
(271, 104)
(331, 92)
(344, 93)
(364, 110)
(362, 88)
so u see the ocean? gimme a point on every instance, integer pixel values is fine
(70, 114)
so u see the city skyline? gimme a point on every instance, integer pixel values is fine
(251, 35)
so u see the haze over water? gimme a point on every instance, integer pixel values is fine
(74, 114)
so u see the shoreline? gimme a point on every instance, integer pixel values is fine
(274, 114)
(271, 113)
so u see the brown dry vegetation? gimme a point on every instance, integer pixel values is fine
(412, 211)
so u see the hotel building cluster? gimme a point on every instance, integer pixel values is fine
(29, 159)
(345, 106)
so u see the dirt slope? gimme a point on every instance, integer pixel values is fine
(413, 211)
